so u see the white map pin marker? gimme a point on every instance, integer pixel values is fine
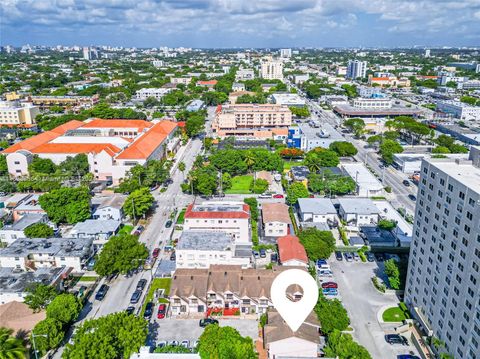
(294, 313)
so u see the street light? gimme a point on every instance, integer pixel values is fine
(33, 342)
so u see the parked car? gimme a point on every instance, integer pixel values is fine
(141, 284)
(147, 314)
(370, 256)
(356, 256)
(380, 257)
(102, 292)
(274, 257)
(263, 253)
(329, 285)
(185, 344)
(162, 344)
(256, 254)
(130, 309)
(406, 183)
(412, 197)
(322, 264)
(135, 297)
(168, 224)
(207, 321)
(278, 196)
(265, 195)
(338, 255)
(348, 256)
(407, 356)
(325, 273)
(173, 256)
(330, 291)
(173, 343)
(156, 252)
(162, 311)
(396, 339)
(138, 230)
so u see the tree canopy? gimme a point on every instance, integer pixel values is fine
(38, 230)
(295, 191)
(138, 203)
(65, 308)
(318, 244)
(67, 205)
(225, 342)
(388, 148)
(39, 296)
(319, 157)
(331, 314)
(10, 346)
(341, 345)
(356, 125)
(48, 334)
(330, 184)
(121, 254)
(343, 148)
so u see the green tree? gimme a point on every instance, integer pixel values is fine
(300, 111)
(386, 224)
(318, 244)
(7, 186)
(331, 314)
(42, 165)
(393, 273)
(75, 166)
(388, 148)
(70, 205)
(48, 334)
(138, 203)
(3, 165)
(295, 191)
(225, 342)
(341, 345)
(194, 126)
(473, 101)
(214, 98)
(116, 335)
(39, 296)
(38, 230)
(318, 158)
(10, 346)
(330, 184)
(356, 125)
(259, 186)
(343, 148)
(120, 254)
(65, 308)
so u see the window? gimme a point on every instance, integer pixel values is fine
(450, 187)
(461, 195)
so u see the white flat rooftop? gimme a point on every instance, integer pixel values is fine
(462, 171)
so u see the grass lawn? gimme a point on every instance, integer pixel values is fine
(157, 283)
(240, 185)
(289, 164)
(85, 278)
(181, 216)
(394, 314)
(125, 229)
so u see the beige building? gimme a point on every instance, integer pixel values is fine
(389, 81)
(272, 70)
(16, 113)
(180, 80)
(276, 219)
(246, 119)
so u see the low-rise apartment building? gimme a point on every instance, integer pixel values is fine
(198, 249)
(11, 232)
(276, 219)
(181, 80)
(317, 210)
(244, 74)
(459, 110)
(156, 93)
(18, 114)
(228, 217)
(358, 212)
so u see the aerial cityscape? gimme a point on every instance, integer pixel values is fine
(239, 180)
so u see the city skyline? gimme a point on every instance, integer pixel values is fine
(226, 24)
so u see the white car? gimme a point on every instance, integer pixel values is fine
(195, 344)
(185, 344)
(173, 343)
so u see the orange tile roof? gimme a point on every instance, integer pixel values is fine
(210, 82)
(77, 148)
(144, 146)
(140, 125)
(31, 143)
(380, 78)
(290, 248)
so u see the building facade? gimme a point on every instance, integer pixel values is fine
(272, 70)
(16, 113)
(459, 110)
(356, 69)
(442, 289)
(372, 103)
(156, 93)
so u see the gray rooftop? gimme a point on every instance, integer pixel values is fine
(325, 131)
(358, 205)
(115, 201)
(300, 172)
(316, 205)
(96, 226)
(58, 247)
(204, 241)
(15, 281)
(29, 204)
(25, 221)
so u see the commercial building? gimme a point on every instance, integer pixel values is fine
(442, 289)
(74, 102)
(201, 249)
(244, 74)
(276, 219)
(287, 99)
(34, 253)
(300, 78)
(285, 53)
(272, 70)
(372, 103)
(392, 81)
(307, 137)
(232, 218)
(347, 111)
(113, 147)
(18, 114)
(156, 93)
(356, 69)
(252, 120)
(459, 110)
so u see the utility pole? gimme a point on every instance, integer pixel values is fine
(33, 342)
(133, 209)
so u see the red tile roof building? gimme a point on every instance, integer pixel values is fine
(112, 146)
(291, 251)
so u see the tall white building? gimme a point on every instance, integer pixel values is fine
(443, 281)
(286, 53)
(272, 70)
(356, 68)
(427, 53)
(86, 54)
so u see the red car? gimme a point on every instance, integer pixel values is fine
(330, 285)
(156, 252)
(278, 196)
(162, 310)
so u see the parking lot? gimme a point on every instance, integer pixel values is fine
(363, 302)
(169, 329)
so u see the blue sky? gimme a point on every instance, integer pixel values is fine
(241, 23)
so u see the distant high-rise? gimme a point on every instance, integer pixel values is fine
(427, 53)
(443, 281)
(356, 68)
(286, 53)
(86, 54)
(272, 70)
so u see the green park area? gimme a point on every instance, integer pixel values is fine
(240, 185)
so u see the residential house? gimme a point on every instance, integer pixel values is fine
(291, 251)
(220, 287)
(110, 207)
(198, 249)
(29, 205)
(299, 174)
(358, 212)
(100, 230)
(11, 232)
(317, 210)
(229, 217)
(281, 342)
(33, 253)
(276, 219)
(210, 84)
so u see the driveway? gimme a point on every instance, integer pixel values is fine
(363, 303)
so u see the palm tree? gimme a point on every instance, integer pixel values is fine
(249, 159)
(313, 163)
(11, 347)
